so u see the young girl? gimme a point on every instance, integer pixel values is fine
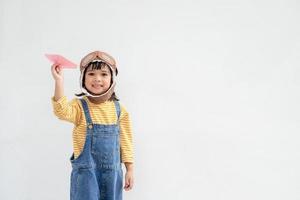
(102, 137)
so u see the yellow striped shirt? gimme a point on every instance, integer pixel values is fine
(103, 113)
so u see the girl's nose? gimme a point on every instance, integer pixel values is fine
(98, 78)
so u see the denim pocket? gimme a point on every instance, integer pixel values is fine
(106, 147)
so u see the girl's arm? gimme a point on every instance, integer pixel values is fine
(126, 148)
(62, 109)
(129, 166)
(59, 90)
(57, 74)
(126, 138)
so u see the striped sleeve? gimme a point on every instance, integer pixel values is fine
(67, 111)
(126, 140)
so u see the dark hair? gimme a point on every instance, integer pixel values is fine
(97, 65)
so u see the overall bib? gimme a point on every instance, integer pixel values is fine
(97, 172)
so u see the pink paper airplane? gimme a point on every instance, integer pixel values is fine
(62, 61)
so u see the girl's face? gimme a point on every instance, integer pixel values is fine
(97, 81)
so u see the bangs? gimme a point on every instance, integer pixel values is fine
(98, 65)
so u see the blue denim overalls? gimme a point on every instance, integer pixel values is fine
(97, 172)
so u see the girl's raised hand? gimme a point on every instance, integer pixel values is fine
(57, 72)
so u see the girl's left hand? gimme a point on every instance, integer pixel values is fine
(128, 180)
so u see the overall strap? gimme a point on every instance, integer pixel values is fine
(117, 106)
(86, 112)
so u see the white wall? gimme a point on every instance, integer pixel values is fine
(212, 88)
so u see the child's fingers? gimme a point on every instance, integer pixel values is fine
(131, 183)
(54, 65)
(56, 71)
(56, 68)
(128, 184)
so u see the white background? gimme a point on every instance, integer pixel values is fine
(212, 88)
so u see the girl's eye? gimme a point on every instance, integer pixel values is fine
(91, 74)
(104, 74)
